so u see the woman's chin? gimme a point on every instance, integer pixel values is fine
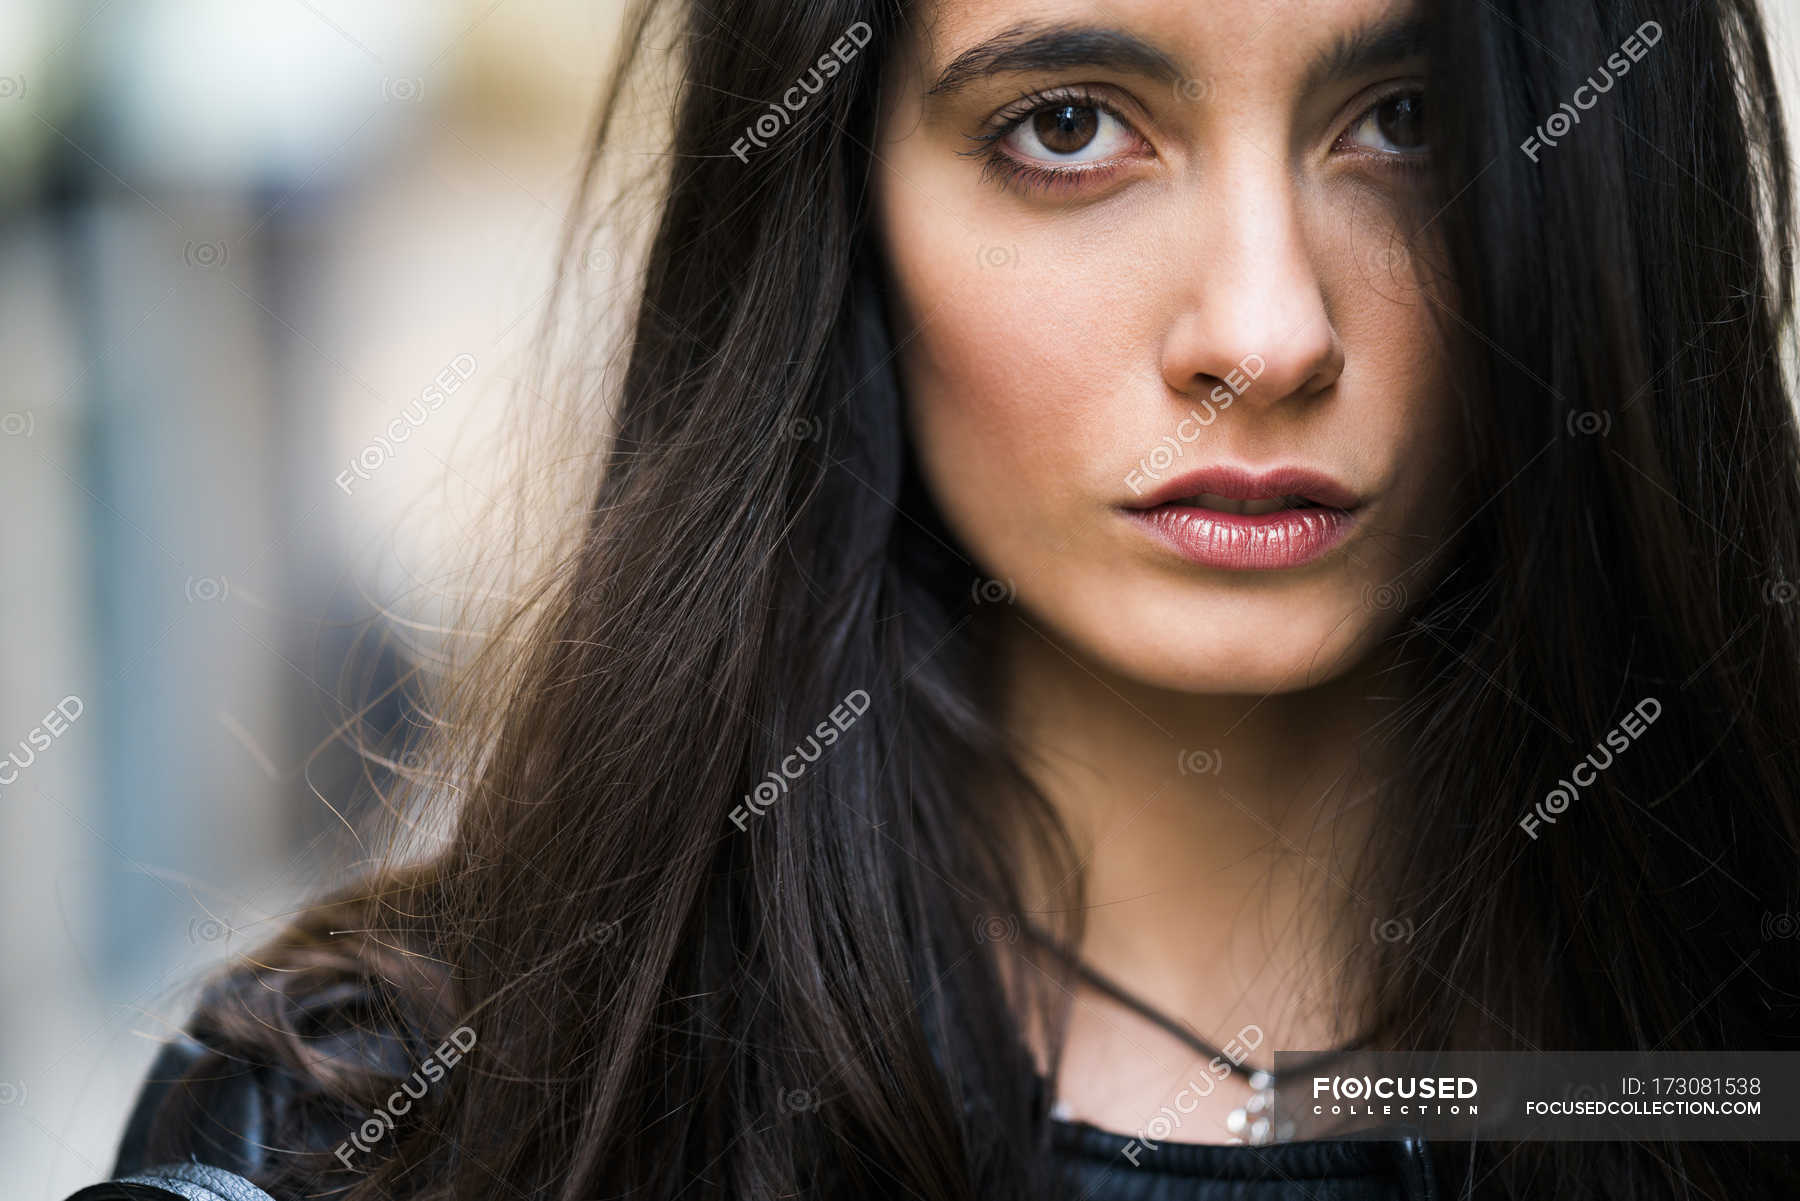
(1264, 647)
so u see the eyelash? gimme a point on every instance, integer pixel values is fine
(1416, 161)
(1008, 171)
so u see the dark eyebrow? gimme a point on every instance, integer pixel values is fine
(1036, 47)
(1367, 49)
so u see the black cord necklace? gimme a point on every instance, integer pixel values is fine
(1248, 1121)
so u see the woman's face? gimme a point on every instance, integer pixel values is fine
(1169, 373)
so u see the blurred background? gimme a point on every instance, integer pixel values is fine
(248, 246)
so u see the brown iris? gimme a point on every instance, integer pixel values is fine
(1401, 122)
(1065, 128)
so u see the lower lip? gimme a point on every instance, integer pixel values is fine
(1247, 542)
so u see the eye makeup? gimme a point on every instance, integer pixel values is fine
(1393, 120)
(1066, 106)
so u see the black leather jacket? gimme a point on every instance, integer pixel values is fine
(223, 1121)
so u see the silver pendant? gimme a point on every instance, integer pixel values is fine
(1254, 1121)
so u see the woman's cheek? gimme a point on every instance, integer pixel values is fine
(1003, 386)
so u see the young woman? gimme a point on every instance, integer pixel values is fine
(1128, 536)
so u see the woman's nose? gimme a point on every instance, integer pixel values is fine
(1252, 313)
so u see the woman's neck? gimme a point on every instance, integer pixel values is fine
(1218, 840)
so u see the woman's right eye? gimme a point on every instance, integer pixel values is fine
(1068, 132)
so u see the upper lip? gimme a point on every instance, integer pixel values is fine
(1242, 483)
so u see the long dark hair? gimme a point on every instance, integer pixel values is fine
(683, 987)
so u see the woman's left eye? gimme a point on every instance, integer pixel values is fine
(1068, 132)
(1394, 125)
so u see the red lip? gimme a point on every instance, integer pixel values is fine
(1240, 483)
(1243, 541)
